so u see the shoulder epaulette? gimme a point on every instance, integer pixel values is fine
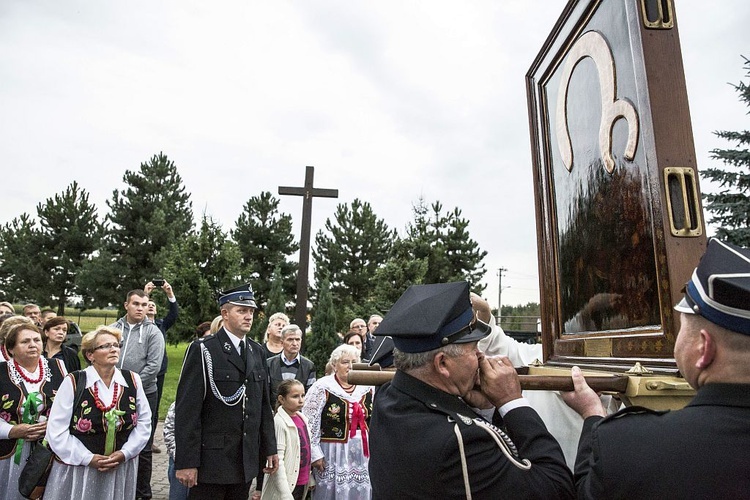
(633, 410)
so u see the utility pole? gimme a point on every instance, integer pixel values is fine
(500, 293)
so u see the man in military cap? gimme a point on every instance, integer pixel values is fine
(699, 451)
(426, 441)
(223, 419)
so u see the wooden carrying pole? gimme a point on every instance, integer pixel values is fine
(603, 383)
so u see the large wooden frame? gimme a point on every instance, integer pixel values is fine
(619, 219)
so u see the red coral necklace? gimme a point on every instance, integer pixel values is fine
(349, 389)
(100, 404)
(28, 379)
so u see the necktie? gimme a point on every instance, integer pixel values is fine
(242, 350)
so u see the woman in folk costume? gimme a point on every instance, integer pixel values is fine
(339, 413)
(28, 383)
(5, 328)
(97, 443)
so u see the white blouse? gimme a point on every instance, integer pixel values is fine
(72, 451)
(5, 427)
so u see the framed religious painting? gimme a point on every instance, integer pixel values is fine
(619, 217)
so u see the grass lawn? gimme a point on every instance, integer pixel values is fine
(175, 353)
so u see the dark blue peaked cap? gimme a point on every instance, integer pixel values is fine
(719, 289)
(239, 296)
(427, 317)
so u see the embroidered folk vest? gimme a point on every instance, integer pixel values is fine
(12, 397)
(335, 421)
(88, 424)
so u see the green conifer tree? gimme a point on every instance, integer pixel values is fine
(322, 339)
(150, 214)
(730, 206)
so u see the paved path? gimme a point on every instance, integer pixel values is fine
(159, 481)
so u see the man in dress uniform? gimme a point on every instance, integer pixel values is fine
(699, 451)
(223, 418)
(426, 441)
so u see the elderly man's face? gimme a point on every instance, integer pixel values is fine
(464, 369)
(292, 343)
(373, 324)
(359, 326)
(34, 314)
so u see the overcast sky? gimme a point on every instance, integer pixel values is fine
(389, 100)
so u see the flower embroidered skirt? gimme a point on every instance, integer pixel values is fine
(345, 475)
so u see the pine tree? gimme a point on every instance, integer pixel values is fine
(276, 303)
(322, 340)
(462, 253)
(152, 213)
(198, 266)
(41, 264)
(731, 205)
(442, 244)
(354, 246)
(20, 269)
(265, 239)
(70, 234)
(396, 275)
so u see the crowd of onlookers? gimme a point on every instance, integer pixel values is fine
(452, 423)
(125, 376)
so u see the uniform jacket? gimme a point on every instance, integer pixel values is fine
(305, 373)
(225, 443)
(698, 452)
(142, 351)
(279, 486)
(414, 449)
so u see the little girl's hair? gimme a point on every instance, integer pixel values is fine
(285, 388)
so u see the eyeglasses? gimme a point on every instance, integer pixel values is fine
(107, 347)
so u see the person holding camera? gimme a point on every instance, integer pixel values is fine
(164, 324)
(142, 352)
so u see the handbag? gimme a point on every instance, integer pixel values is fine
(33, 477)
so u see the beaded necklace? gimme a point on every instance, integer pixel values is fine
(100, 403)
(20, 369)
(349, 389)
(5, 351)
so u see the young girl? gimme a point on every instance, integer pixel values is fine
(293, 477)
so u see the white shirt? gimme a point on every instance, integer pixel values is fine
(5, 427)
(68, 447)
(236, 341)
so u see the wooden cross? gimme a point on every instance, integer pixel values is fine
(308, 192)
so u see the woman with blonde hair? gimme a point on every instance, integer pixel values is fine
(216, 324)
(98, 442)
(273, 342)
(7, 308)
